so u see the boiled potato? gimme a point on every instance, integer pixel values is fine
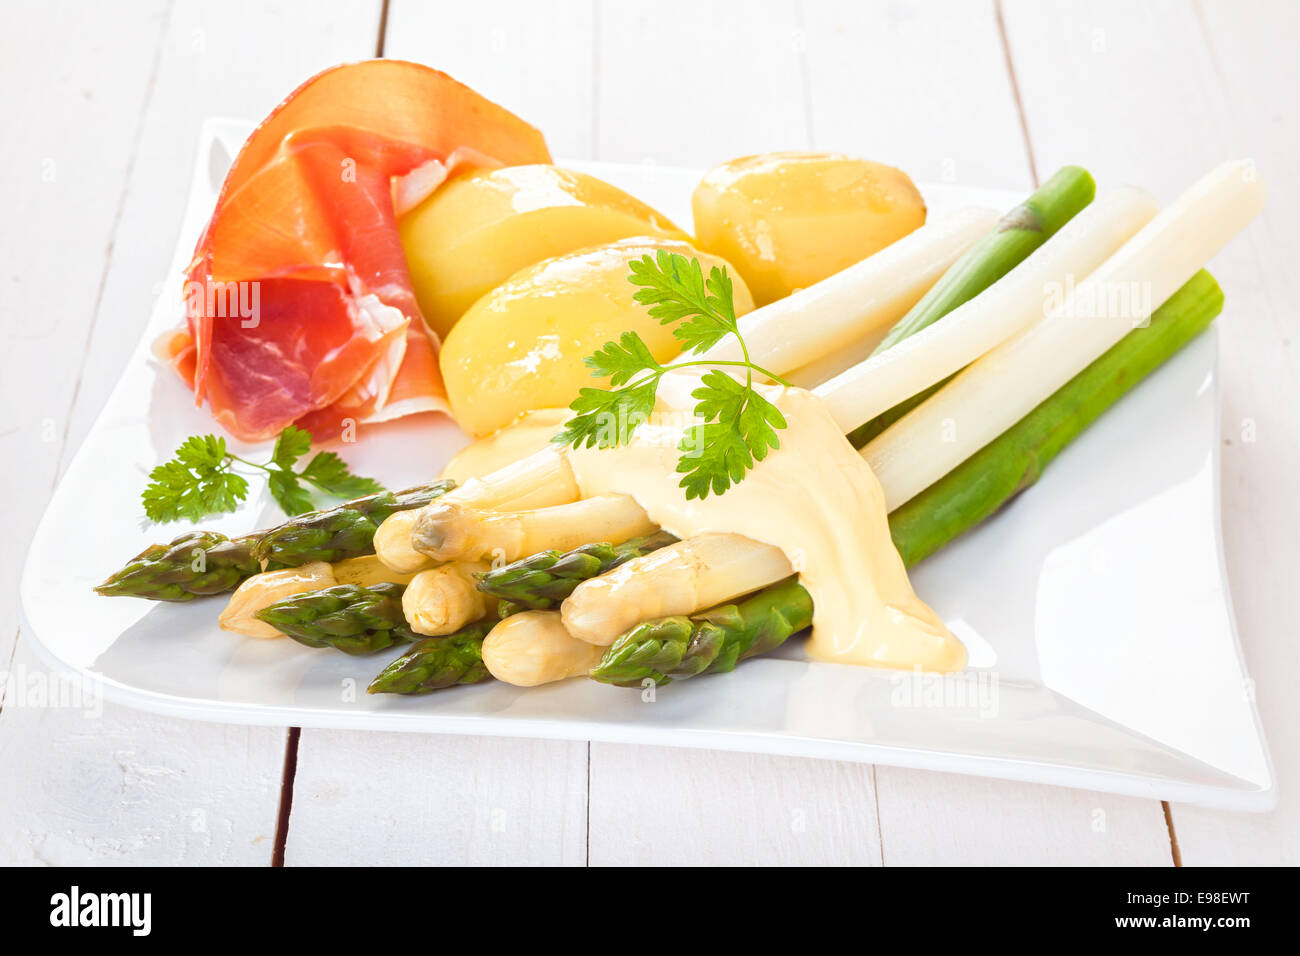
(521, 346)
(478, 229)
(788, 220)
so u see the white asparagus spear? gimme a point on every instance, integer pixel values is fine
(1006, 384)
(452, 532)
(1004, 308)
(533, 647)
(442, 600)
(264, 589)
(541, 480)
(700, 572)
(870, 295)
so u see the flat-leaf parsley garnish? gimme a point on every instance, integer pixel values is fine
(199, 480)
(737, 427)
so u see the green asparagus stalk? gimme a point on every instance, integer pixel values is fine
(196, 564)
(675, 648)
(202, 563)
(1014, 460)
(437, 662)
(347, 531)
(1020, 232)
(347, 617)
(543, 580)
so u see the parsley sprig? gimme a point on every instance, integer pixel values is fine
(738, 425)
(200, 480)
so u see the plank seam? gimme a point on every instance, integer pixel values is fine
(587, 848)
(880, 830)
(1174, 850)
(287, 778)
(1015, 90)
(383, 28)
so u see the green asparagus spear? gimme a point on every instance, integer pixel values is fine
(202, 563)
(1020, 232)
(1013, 461)
(437, 662)
(196, 564)
(545, 579)
(346, 531)
(675, 648)
(348, 617)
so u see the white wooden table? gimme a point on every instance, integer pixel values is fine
(103, 104)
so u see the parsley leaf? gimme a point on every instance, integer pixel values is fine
(675, 289)
(288, 493)
(620, 361)
(199, 481)
(739, 429)
(291, 445)
(328, 472)
(738, 425)
(608, 418)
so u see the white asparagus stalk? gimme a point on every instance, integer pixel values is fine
(263, 590)
(1006, 384)
(442, 600)
(534, 648)
(700, 572)
(392, 543)
(541, 480)
(867, 297)
(365, 571)
(451, 532)
(973, 328)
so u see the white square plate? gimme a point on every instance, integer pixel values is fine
(1095, 606)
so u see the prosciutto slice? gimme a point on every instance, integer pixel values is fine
(299, 305)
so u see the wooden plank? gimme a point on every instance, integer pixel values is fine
(923, 86)
(653, 806)
(88, 783)
(66, 156)
(939, 819)
(472, 799)
(1209, 81)
(417, 800)
(133, 88)
(728, 85)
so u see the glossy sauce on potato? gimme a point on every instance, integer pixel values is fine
(788, 220)
(521, 346)
(478, 229)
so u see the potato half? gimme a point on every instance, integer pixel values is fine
(477, 230)
(788, 220)
(521, 346)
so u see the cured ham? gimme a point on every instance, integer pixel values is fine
(299, 305)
